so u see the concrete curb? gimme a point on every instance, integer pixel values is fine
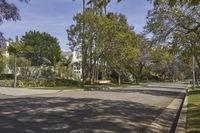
(165, 122)
(181, 125)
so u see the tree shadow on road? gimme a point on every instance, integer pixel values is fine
(172, 94)
(167, 87)
(69, 115)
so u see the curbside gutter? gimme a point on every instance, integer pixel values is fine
(181, 125)
(179, 121)
(168, 119)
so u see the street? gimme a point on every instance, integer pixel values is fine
(121, 110)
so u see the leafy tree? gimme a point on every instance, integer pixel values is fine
(100, 5)
(137, 56)
(105, 36)
(2, 65)
(174, 2)
(161, 59)
(48, 73)
(96, 8)
(45, 49)
(177, 26)
(1, 54)
(65, 68)
(22, 63)
(16, 48)
(169, 23)
(116, 42)
(8, 12)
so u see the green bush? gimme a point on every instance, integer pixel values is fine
(46, 83)
(49, 84)
(6, 83)
(6, 76)
(20, 83)
(64, 82)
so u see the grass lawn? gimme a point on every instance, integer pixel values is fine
(193, 115)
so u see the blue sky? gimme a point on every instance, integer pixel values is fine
(55, 16)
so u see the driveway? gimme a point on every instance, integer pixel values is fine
(122, 110)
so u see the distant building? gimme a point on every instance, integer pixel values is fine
(3, 48)
(76, 60)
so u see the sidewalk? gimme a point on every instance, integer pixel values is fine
(24, 91)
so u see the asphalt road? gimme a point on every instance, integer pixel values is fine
(122, 110)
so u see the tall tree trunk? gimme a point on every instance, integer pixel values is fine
(197, 78)
(83, 49)
(97, 70)
(136, 79)
(197, 60)
(105, 9)
(94, 71)
(173, 79)
(15, 72)
(193, 66)
(119, 79)
(91, 63)
(105, 69)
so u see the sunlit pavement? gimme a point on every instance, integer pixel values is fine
(24, 91)
(125, 110)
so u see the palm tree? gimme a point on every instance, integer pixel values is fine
(101, 4)
(15, 49)
(83, 50)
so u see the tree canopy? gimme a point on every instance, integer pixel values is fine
(8, 12)
(45, 49)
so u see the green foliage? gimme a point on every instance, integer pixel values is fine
(21, 62)
(64, 82)
(172, 3)
(2, 66)
(48, 73)
(6, 76)
(193, 113)
(106, 37)
(1, 54)
(45, 49)
(6, 83)
(178, 28)
(48, 83)
(16, 47)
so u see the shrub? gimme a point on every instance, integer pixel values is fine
(6, 76)
(6, 83)
(65, 82)
(49, 84)
(46, 83)
(20, 83)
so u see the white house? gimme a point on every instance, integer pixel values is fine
(76, 60)
(3, 48)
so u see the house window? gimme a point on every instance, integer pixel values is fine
(77, 67)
